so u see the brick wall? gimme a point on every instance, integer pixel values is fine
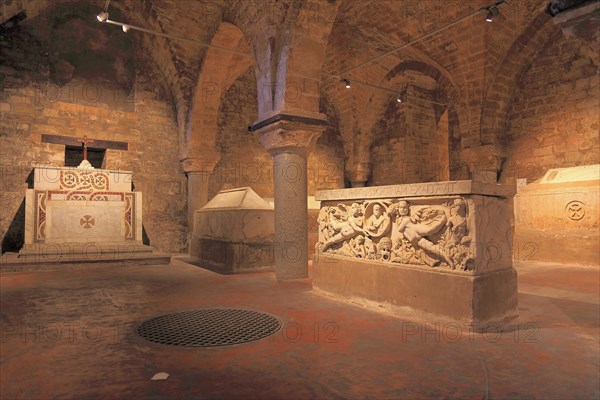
(411, 144)
(554, 121)
(245, 162)
(31, 105)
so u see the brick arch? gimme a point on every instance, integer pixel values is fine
(219, 70)
(496, 104)
(444, 79)
(371, 103)
(379, 100)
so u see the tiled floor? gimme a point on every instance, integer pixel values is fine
(69, 334)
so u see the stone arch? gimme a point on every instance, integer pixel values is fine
(219, 70)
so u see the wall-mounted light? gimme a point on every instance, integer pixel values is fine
(347, 83)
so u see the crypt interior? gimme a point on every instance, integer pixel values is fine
(464, 135)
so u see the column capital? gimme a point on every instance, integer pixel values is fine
(358, 173)
(484, 162)
(200, 165)
(290, 132)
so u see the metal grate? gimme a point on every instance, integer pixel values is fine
(208, 327)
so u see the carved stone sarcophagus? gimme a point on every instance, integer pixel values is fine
(442, 249)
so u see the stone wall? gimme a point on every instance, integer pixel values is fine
(33, 104)
(554, 120)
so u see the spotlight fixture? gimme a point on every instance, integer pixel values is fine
(347, 83)
(125, 27)
(402, 95)
(491, 13)
(103, 16)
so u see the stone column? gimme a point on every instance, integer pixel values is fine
(197, 193)
(289, 142)
(198, 173)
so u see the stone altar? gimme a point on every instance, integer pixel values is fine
(442, 250)
(84, 213)
(233, 232)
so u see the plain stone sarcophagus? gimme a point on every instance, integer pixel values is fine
(440, 251)
(550, 213)
(233, 232)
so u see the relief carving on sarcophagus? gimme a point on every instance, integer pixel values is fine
(433, 233)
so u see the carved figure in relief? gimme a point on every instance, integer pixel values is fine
(457, 223)
(419, 228)
(423, 234)
(457, 238)
(323, 222)
(377, 220)
(357, 247)
(370, 248)
(384, 248)
(344, 225)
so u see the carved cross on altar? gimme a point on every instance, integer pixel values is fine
(85, 141)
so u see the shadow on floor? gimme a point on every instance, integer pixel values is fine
(15, 235)
(578, 313)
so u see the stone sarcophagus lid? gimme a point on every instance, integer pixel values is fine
(441, 250)
(234, 232)
(81, 212)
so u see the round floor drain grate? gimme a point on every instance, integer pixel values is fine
(208, 327)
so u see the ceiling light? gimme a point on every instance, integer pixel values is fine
(402, 95)
(347, 83)
(103, 16)
(125, 27)
(491, 13)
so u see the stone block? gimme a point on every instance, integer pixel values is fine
(480, 300)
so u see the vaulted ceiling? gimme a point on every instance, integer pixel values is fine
(459, 65)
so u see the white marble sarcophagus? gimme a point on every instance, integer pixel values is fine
(82, 211)
(233, 232)
(441, 250)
